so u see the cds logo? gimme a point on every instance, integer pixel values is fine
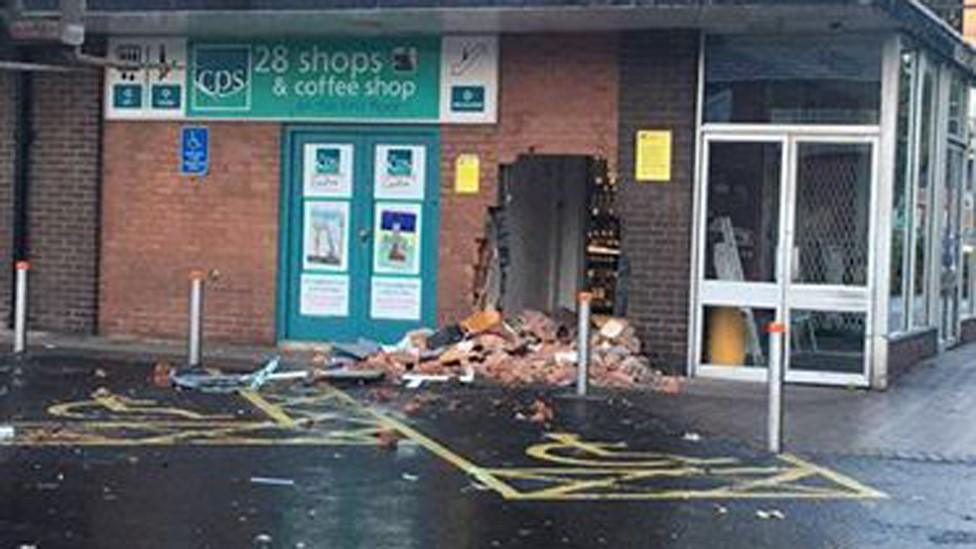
(221, 78)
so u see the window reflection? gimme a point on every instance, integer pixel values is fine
(796, 80)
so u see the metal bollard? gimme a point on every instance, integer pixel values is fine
(20, 308)
(195, 338)
(774, 422)
(583, 343)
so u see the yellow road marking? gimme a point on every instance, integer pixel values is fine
(271, 410)
(614, 454)
(573, 469)
(789, 475)
(433, 446)
(838, 478)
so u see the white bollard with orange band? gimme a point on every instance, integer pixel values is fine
(583, 343)
(776, 330)
(20, 307)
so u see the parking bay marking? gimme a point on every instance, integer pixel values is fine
(619, 472)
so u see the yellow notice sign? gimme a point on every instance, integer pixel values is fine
(467, 174)
(653, 155)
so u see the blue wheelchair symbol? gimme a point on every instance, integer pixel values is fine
(194, 151)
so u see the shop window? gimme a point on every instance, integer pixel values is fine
(923, 215)
(957, 106)
(968, 232)
(827, 341)
(900, 204)
(793, 80)
(966, 294)
(743, 211)
(833, 194)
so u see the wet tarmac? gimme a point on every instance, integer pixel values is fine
(102, 457)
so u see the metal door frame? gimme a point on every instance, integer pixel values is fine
(783, 294)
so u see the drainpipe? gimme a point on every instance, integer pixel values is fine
(23, 137)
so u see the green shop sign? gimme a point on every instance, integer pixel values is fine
(376, 78)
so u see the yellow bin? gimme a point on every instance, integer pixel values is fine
(726, 337)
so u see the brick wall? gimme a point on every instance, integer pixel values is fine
(905, 352)
(7, 120)
(658, 89)
(63, 202)
(967, 331)
(558, 96)
(157, 226)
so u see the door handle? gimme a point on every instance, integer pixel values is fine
(364, 235)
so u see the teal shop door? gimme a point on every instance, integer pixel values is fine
(359, 223)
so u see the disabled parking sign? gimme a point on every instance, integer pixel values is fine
(194, 150)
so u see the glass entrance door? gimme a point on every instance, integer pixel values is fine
(827, 293)
(786, 234)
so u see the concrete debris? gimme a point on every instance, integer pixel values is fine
(530, 348)
(359, 350)
(540, 412)
(162, 372)
(416, 403)
(447, 335)
(388, 438)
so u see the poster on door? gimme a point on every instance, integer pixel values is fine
(326, 236)
(324, 295)
(327, 170)
(395, 298)
(397, 244)
(400, 171)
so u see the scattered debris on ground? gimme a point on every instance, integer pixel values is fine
(539, 412)
(215, 382)
(691, 437)
(530, 348)
(388, 438)
(162, 373)
(272, 481)
(770, 514)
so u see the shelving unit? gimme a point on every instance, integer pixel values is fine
(602, 240)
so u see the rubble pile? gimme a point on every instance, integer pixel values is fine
(530, 348)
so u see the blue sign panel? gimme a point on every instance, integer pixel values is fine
(194, 150)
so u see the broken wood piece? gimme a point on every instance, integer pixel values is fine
(348, 375)
(481, 322)
(414, 381)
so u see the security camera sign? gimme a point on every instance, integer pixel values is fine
(147, 80)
